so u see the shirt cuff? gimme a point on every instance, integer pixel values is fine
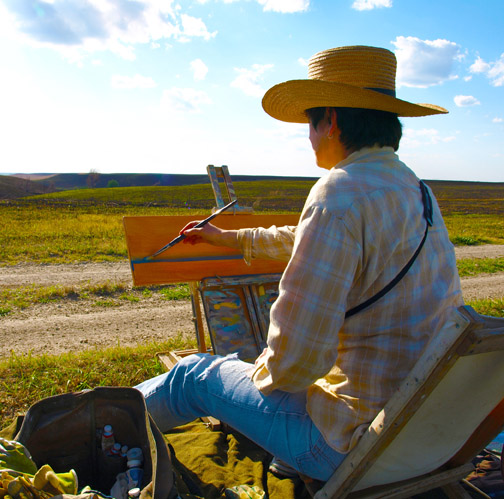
(262, 379)
(245, 242)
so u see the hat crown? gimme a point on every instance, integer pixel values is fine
(360, 66)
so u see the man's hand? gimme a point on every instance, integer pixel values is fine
(209, 234)
(206, 234)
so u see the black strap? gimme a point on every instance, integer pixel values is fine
(427, 203)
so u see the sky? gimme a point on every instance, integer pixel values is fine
(145, 86)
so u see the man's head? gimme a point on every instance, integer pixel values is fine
(360, 128)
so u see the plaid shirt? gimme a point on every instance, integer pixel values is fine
(360, 225)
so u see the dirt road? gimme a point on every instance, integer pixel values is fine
(73, 325)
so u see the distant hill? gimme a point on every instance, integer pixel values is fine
(34, 176)
(14, 187)
(44, 183)
(68, 181)
(448, 192)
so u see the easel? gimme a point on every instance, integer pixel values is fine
(169, 359)
(214, 173)
(222, 172)
(219, 279)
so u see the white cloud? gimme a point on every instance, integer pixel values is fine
(77, 29)
(479, 66)
(285, 6)
(497, 120)
(130, 82)
(371, 4)
(494, 71)
(425, 136)
(200, 69)
(248, 79)
(466, 100)
(423, 63)
(303, 62)
(195, 27)
(185, 100)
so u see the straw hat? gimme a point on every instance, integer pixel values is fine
(358, 76)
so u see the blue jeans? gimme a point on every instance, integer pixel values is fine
(205, 385)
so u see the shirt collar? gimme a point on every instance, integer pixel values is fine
(362, 154)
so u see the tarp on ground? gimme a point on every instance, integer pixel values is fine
(213, 461)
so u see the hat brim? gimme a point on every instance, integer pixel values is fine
(289, 100)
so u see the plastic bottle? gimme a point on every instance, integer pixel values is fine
(124, 450)
(107, 439)
(134, 474)
(135, 454)
(135, 471)
(115, 450)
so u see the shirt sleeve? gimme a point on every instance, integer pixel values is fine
(274, 243)
(309, 312)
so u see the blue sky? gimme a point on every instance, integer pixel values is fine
(172, 86)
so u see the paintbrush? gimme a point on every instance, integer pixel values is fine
(181, 237)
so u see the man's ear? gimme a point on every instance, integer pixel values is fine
(333, 121)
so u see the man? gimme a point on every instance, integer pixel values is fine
(371, 277)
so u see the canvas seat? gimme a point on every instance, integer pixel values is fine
(449, 407)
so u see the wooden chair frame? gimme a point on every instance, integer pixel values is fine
(472, 335)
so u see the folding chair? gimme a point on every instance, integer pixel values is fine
(449, 407)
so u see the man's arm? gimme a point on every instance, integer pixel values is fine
(274, 243)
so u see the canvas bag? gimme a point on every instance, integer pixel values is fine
(64, 431)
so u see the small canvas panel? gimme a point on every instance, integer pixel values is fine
(185, 262)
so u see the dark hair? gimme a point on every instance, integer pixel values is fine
(362, 127)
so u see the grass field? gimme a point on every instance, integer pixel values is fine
(26, 379)
(86, 225)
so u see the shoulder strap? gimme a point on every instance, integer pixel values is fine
(427, 203)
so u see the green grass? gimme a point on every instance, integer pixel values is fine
(175, 292)
(264, 195)
(109, 294)
(474, 266)
(106, 294)
(473, 229)
(26, 379)
(494, 308)
(44, 234)
(24, 296)
(86, 225)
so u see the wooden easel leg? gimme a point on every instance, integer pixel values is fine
(197, 318)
